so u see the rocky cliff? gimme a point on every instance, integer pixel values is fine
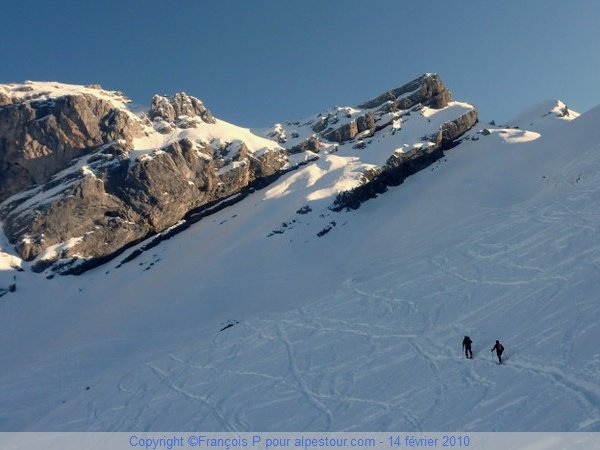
(401, 164)
(40, 134)
(82, 177)
(85, 190)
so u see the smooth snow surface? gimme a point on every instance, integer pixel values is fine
(359, 329)
(544, 114)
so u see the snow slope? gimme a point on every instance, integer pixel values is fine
(220, 132)
(341, 165)
(542, 114)
(250, 321)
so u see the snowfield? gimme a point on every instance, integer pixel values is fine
(251, 321)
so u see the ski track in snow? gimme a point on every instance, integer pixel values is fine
(373, 333)
(382, 352)
(333, 394)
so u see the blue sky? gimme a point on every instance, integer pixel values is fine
(258, 62)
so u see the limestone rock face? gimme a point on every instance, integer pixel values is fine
(85, 211)
(82, 191)
(162, 188)
(39, 138)
(310, 144)
(161, 107)
(344, 133)
(366, 122)
(428, 90)
(181, 104)
(107, 201)
(399, 166)
(456, 128)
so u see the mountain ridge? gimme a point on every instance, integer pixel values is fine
(233, 326)
(134, 176)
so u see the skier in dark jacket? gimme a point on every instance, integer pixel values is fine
(499, 350)
(467, 347)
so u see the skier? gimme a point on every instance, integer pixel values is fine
(467, 347)
(499, 350)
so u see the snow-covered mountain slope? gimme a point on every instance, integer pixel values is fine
(278, 314)
(83, 177)
(153, 134)
(543, 114)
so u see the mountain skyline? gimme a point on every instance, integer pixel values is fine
(251, 61)
(95, 177)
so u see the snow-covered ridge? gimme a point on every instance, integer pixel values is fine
(39, 91)
(399, 131)
(542, 114)
(249, 321)
(220, 133)
(153, 168)
(277, 313)
(44, 91)
(87, 142)
(344, 123)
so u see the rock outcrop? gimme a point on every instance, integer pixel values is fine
(349, 131)
(401, 165)
(181, 104)
(82, 177)
(83, 194)
(310, 144)
(111, 201)
(428, 90)
(40, 137)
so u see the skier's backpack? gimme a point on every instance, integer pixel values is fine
(500, 348)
